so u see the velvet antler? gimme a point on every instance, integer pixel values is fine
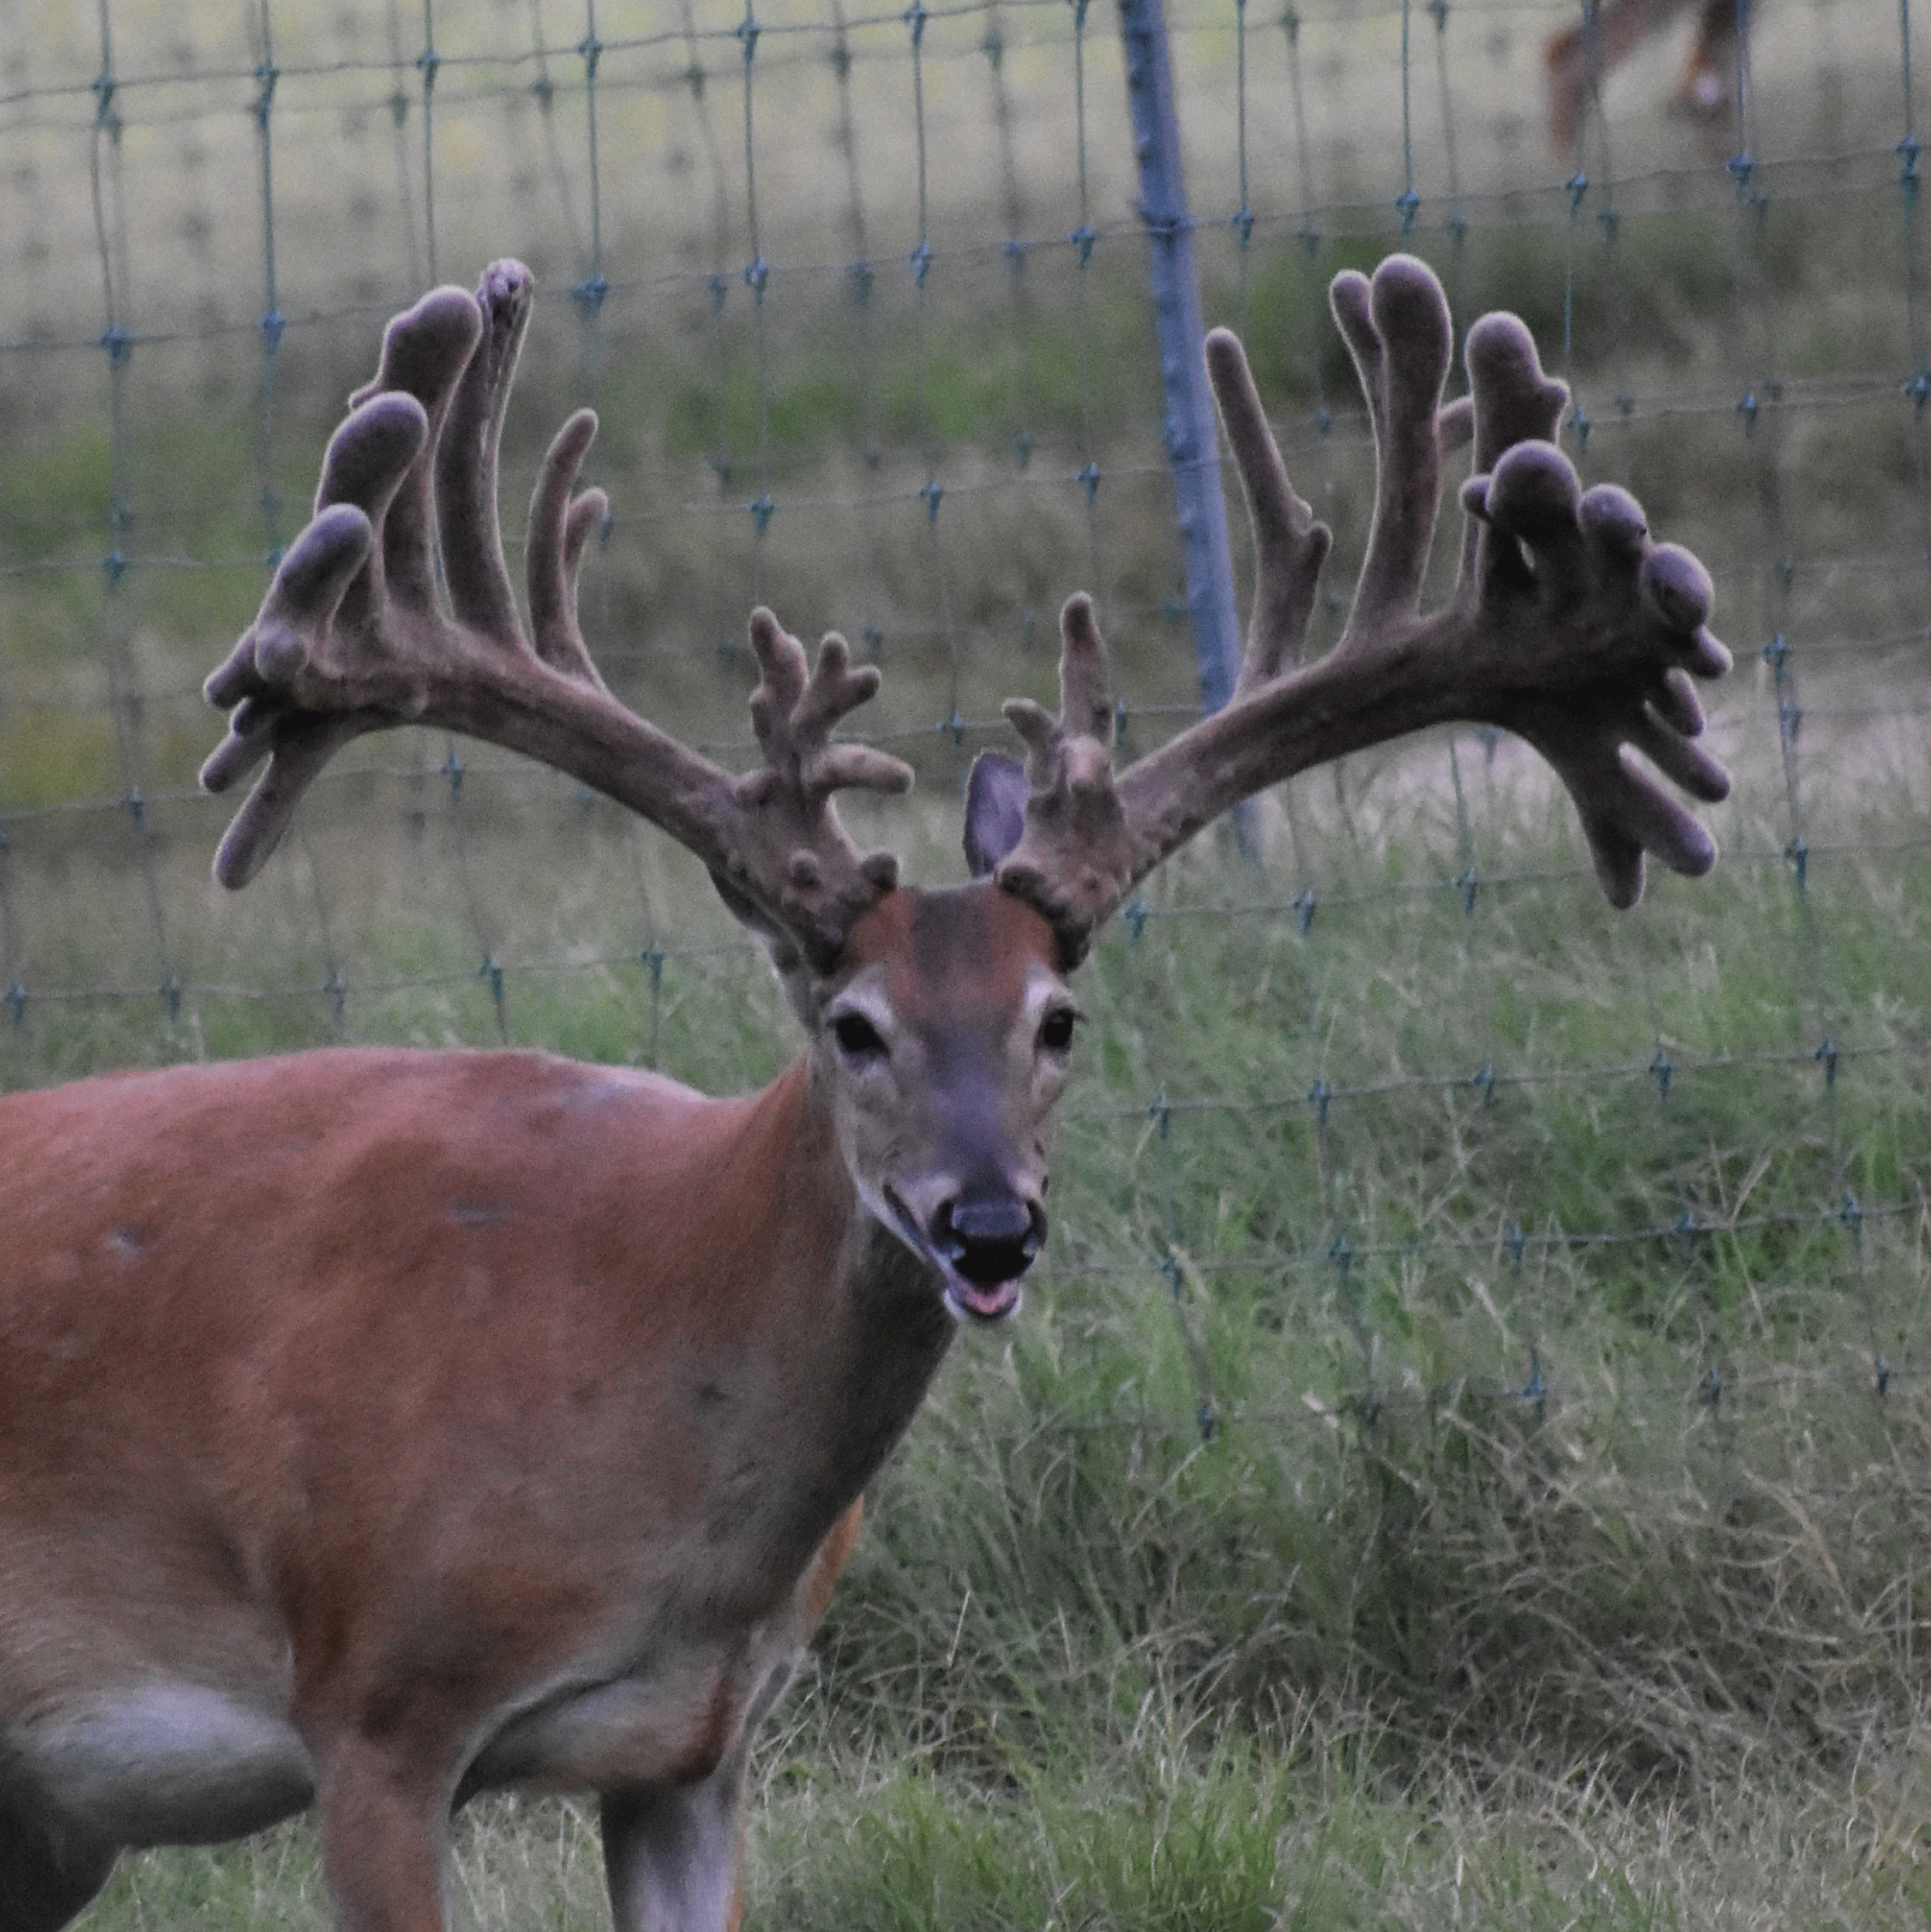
(1568, 626)
(353, 637)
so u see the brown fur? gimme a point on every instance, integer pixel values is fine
(463, 1419)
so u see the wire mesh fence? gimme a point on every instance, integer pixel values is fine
(861, 298)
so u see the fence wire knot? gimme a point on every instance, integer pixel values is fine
(1534, 1390)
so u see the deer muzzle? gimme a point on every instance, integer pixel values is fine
(987, 1240)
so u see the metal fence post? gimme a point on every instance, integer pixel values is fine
(1192, 433)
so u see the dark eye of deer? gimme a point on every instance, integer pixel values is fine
(1055, 1030)
(858, 1038)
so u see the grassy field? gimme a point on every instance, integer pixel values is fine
(1403, 1643)
(1465, 1460)
(1410, 1639)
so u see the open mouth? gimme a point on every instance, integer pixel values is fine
(992, 1301)
(980, 1301)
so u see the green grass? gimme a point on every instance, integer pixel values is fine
(1395, 1643)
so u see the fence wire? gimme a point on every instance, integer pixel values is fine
(861, 298)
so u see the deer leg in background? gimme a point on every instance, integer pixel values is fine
(1580, 58)
(1707, 91)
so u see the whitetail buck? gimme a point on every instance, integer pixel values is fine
(380, 1427)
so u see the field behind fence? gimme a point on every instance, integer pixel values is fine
(1483, 1351)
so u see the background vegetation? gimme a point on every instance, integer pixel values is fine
(1466, 1459)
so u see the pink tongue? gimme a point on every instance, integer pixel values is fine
(989, 1301)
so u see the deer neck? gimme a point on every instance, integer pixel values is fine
(878, 1326)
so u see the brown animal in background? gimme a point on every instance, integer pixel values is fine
(1579, 60)
(380, 1427)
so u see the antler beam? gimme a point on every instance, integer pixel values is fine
(1569, 626)
(352, 637)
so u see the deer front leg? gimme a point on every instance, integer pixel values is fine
(384, 1839)
(673, 1854)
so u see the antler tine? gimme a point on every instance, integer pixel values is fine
(1397, 330)
(1076, 856)
(1569, 627)
(559, 527)
(466, 458)
(424, 352)
(330, 578)
(1290, 547)
(351, 638)
(826, 881)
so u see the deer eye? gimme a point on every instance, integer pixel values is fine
(1055, 1030)
(858, 1038)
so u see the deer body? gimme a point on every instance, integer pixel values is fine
(499, 1417)
(379, 1428)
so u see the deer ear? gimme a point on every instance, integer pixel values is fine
(995, 796)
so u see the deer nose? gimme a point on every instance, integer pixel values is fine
(989, 1238)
